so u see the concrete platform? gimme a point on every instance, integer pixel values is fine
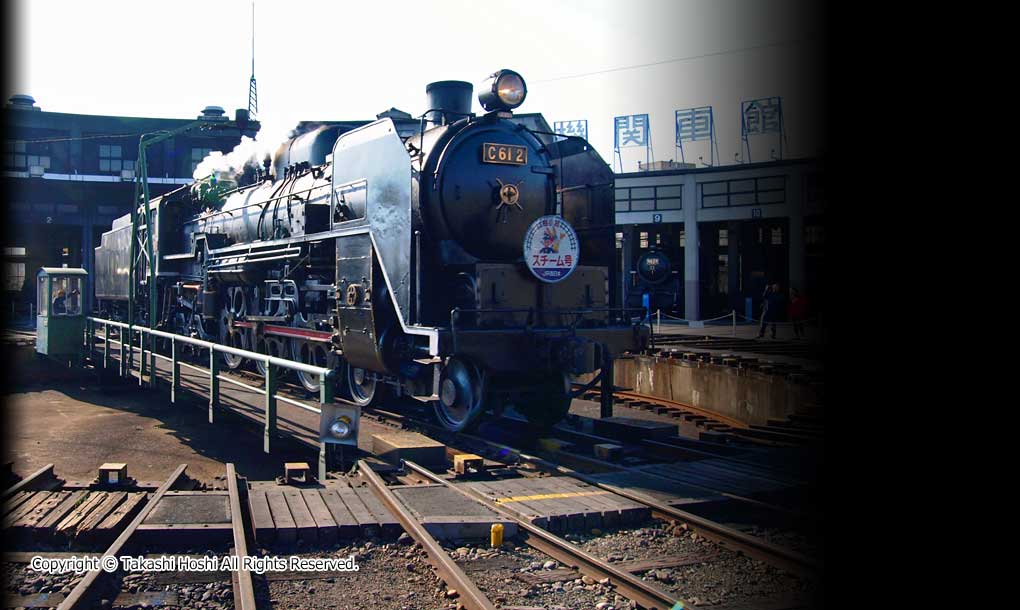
(188, 517)
(190, 507)
(393, 447)
(752, 395)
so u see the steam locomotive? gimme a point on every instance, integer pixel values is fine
(655, 285)
(470, 264)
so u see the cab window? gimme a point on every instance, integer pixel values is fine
(66, 296)
(43, 295)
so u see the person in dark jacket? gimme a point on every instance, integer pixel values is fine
(797, 312)
(59, 304)
(771, 308)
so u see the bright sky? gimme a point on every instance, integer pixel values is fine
(351, 60)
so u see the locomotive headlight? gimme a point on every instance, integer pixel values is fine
(504, 90)
(341, 427)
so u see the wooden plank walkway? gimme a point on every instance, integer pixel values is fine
(78, 517)
(562, 504)
(339, 510)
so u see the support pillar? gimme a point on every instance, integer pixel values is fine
(214, 384)
(175, 373)
(607, 384)
(627, 258)
(692, 273)
(87, 254)
(797, 254)
(331, 459)
(269, 433)
(733, 252)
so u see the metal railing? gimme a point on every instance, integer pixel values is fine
(672, 319)
(272, 364)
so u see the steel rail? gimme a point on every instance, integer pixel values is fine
(680, 406)
(81, 595)
(699, 454)
(752, 546)
(470, 595)
(560, 469)
(627, 584)
(23, 484)
(244, 589)
(736, 540)
(611, 467)
(604, 465)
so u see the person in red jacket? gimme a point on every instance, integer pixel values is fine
(797, 311)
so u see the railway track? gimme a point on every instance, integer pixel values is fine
(799, 430)
(595, 576)
(41, 498)
(794, 349)
(584, 472)
(632, 588)
(102, 588)
(732, 538)
(672, 448)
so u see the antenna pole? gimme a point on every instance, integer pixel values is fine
(253, 96)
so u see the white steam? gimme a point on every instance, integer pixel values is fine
(248, 152)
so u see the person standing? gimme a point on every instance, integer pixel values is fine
(765, 310)
(797, 312)
(59, 305)
(773, 305)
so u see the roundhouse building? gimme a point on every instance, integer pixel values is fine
(726, 231)
(67, 176)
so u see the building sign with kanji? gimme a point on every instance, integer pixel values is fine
(631, 130)
(760, 116)
(572, 128)
(551, 248)
(693, 124)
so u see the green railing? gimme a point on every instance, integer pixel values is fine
(127, 347)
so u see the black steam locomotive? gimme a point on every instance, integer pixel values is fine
(403, 262)
(654, 284)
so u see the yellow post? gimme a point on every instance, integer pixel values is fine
(496, 535)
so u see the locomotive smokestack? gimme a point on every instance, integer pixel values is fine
(448, 101)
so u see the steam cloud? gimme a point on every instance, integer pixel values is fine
(250, 152)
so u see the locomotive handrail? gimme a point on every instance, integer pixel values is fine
(260, 203)
(255, 257)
